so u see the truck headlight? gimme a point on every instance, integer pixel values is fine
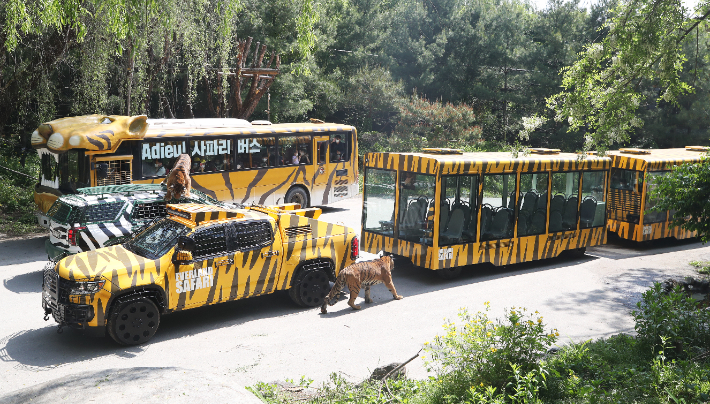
(86, 288)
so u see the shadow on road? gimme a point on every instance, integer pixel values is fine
(32, 250)
(618, 248)
(30, 282)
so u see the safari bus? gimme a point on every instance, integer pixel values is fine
(630, 207)
(445, 209)
(233, 160)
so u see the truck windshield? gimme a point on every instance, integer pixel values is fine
(157, 239)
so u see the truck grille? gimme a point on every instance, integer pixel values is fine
(51, 285)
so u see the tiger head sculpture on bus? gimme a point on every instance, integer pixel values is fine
(90, 132)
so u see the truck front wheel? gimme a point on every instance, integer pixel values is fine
(133, 320)
(310, 287)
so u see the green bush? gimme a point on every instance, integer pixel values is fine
(17, 195)
(671, 320)
(480, 356)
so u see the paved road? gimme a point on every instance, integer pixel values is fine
(267, 338)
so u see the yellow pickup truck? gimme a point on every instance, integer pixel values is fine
(197, 256)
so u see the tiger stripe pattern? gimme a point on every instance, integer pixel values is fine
(362, 274)
(178, 182)
(89, 132)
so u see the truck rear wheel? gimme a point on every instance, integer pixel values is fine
(310, 287)
(133, 320)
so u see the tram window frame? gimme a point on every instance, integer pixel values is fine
(420, 230)
(386, 226)
(345, 137)
(505, 205)
(521, 204)
(600, 206)
(469, 228)
(649, 185)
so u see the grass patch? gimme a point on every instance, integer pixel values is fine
(703, 267)
(507, 361)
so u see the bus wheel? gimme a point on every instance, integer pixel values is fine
(297, 195)
(310, 287)
(133, 320)
(449, 273)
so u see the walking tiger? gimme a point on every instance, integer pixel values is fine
(362, 274)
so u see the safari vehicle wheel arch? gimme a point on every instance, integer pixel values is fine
(311, 282)
(155, 294)
(298, 194)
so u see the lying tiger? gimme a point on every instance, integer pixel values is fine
(362, 274)
(178, 182)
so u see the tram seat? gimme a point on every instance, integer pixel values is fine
(524, 218)
(413, 219)
(588, 211)
(569, 217)
(444, 214)
(455, 229)
(486, 217)
(558, 203)
(530, 202)
(555, 221)
(537, 223)
(466, 212)
(500, 225)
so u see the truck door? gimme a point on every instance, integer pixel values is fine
(206, 280)
(257, 259)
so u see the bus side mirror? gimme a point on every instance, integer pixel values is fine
(101, 171)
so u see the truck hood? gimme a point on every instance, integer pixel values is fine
(111, 263)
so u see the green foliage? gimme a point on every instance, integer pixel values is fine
(481, 352)
(686, 191)
(601, 92)
(671, 321)
(703, 267)
(17, 197)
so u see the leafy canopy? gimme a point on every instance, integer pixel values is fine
(602, 90)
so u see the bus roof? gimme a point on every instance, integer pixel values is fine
(488, 162)
(278, 128)
(655, 159)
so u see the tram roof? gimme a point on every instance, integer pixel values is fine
(656, 159)
(484, 162)
(155, 131)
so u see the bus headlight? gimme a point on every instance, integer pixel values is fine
(86, 288)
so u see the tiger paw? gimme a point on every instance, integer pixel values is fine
(398, 297)
(355, 306)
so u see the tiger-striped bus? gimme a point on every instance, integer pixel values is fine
(445, 209)
(232, 160)
(630, 209)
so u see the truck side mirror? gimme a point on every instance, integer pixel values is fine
(183, 253)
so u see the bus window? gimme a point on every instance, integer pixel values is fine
(651, 215)
(339, 147)
(416, 207)
(532, 206)
(295, 150)
(256, 153)
(457, 216)
(564, 202)
(592, 211)
(379, 198)
(497, 214)
(211, 155)
(157, 158)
